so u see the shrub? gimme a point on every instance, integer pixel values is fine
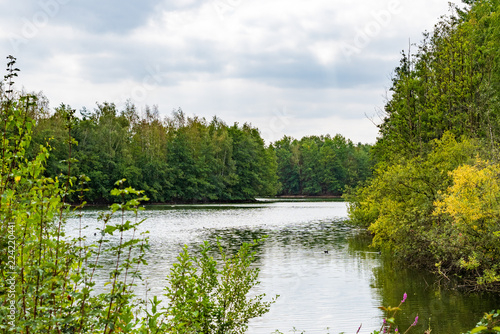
(205, 297)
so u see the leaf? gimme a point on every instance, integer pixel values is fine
(478, 329)
(120, 182)
(110, 229)
(392, 309)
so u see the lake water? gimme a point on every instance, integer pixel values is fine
(339, 290)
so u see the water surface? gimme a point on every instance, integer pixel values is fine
(323, 270)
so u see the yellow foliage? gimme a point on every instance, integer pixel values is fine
(472, 263)
(490, 276)
(474, 195)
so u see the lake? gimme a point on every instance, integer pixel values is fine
(339, 290)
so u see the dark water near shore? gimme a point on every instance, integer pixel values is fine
(339, 290)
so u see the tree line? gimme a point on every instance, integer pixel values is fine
(434, 200)
(321, 165)
(189, 159)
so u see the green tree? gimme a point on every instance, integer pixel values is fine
(103, 150)
(223, 167)
(148, 147)
(310, 172)
(255, 167)
(287, 155)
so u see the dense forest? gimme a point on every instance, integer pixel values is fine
(189, 159)
(434, 200)
(321, 165)
(177, 159)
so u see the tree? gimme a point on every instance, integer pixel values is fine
(286, 151)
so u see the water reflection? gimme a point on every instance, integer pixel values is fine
(339, 289)
(444, 310)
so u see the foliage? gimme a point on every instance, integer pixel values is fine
(399, 193)
(188, 159)
(321, 165)
(449, 85)
(178, 159)
(441, 212)
(489, 324)
(471, 208)
(48, 279)
(433, 198)
(207, 298)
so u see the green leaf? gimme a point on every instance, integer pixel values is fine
(478, 329)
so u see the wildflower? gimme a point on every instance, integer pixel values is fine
(396, 331)
(404, 298)
(415, 322)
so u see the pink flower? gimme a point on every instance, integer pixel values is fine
(404, 298)
(415, 322)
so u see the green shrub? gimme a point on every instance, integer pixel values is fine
(204, 297)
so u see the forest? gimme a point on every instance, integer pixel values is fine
(189, 159)
(434, 199)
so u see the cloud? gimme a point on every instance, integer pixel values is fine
(242, 60)
(94, 16)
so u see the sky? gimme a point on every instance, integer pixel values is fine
(288, 67)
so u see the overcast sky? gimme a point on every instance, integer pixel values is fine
(291, 67)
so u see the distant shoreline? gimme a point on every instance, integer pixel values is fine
(256, 200)
(308, 197)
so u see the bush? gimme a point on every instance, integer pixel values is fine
(207, 298)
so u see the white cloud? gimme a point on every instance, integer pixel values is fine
(327, 52)
(242, 60)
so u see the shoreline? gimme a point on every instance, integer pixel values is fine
(253, 201)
